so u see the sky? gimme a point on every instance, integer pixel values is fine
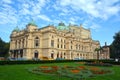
(102, 17)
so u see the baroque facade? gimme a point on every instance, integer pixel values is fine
(50, 42)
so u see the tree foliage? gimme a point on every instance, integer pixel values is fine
(115, 46)
(97, 50)
(4, 48)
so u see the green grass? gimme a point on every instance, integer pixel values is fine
(20, 72)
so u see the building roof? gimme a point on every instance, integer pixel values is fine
(61, 26)
(32, 23)
(16, 29)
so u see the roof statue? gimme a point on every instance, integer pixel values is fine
(61, 24)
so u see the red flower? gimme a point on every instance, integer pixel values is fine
(44, 67)
(82, 67)
(75, 71)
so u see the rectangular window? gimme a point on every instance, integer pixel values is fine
(71, 47)
(23, 44)
(19, 45)
(36, 43)
(16, 44)
(52, 43)
(61, 45)
(76, 47)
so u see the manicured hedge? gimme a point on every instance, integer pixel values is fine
(37, 62)
(54, 61)
(98, 64)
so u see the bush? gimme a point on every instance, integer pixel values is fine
(98, 64)
(52, 61)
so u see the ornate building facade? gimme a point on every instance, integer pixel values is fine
(50, 42)
(104, 52)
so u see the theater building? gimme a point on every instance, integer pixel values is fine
(53, 42)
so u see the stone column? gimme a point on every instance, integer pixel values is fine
(59, 55)
(17, 44)
(25, 43)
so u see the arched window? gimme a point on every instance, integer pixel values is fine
(64, 54)
(77, 54)
(58, 46)
(79, 47)
(61, 55)
(52, 54)
(58, 55)
(36, 54)
(36, 42)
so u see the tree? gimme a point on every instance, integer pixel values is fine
(115, 46)
(98, 49)
(4, 48)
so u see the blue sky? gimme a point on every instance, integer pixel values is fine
(101, 16)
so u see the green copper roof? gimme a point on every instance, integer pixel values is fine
(16, 29)
(32, 23)
(61, 26)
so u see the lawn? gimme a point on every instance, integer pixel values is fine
(20, 72)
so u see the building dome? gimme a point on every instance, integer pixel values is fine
(31, 26)
(16, 29)
(32, 23)
(61, 26)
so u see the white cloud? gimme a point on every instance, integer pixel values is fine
(7, 1)
(21, 10)
(74, 19)
(99, 9)
(95, 26)
(24, 10)
(7, 14)
(32, 7)
(62, 14)
(44, 17)
(92, 25)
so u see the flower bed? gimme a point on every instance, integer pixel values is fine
(75, 72)
(98, 71)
